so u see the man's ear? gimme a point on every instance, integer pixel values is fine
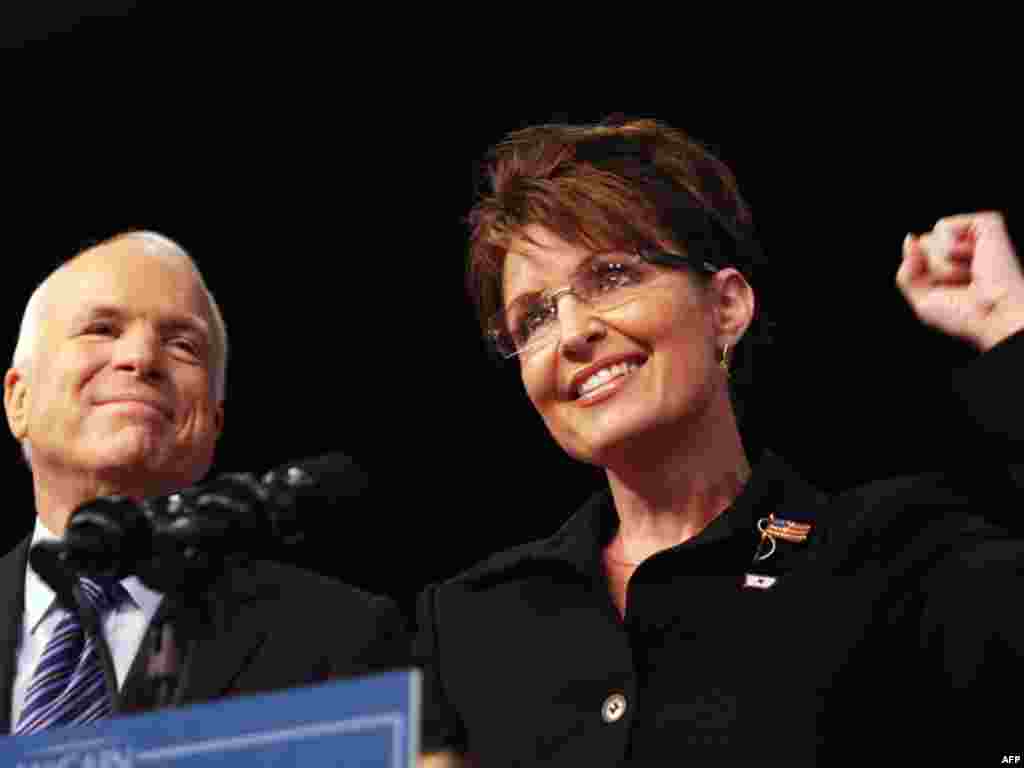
(734, 305)
(16, 400)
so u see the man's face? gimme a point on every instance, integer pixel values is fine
(120, 385)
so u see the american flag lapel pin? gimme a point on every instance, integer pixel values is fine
(773, 528)
(787, 530)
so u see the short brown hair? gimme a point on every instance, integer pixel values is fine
(626, 184)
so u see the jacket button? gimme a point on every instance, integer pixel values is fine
(614, 708)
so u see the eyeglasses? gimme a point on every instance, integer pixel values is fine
(605, 281)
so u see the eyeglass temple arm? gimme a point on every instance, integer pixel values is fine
(667, 259)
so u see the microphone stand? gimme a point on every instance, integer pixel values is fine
(162, 662)
(185, 572)
(170, 647)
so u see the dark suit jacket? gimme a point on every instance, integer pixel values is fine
(270, 627)
(897, 623)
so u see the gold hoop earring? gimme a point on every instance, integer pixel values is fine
(724, 362)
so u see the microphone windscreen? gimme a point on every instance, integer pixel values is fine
(46, 560)
(329, 478)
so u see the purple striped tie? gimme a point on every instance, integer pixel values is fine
(67, 687)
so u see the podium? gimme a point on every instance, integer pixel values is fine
(367, 722)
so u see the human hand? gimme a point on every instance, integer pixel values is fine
(964, 278)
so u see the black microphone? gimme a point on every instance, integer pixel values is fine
(105, 537)
(240, 513)
(177, 543)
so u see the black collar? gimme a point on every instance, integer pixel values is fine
(774, 488)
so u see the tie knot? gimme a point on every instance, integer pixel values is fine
(104, 594)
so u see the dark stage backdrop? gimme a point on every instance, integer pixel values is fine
(327, 215)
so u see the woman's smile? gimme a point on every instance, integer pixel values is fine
(595, 386)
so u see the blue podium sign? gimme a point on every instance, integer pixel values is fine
(366, 721)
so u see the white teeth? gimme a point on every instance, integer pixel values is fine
(605, 375)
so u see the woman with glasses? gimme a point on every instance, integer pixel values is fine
(709, 605)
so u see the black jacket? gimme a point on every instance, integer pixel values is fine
(898, 619)
(267, 626)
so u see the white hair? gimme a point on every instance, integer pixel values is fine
(155, 245)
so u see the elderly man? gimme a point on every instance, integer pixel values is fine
(117, 387)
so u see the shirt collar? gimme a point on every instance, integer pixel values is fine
(146, 599)
(40, 598)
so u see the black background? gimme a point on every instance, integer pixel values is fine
(320, 177)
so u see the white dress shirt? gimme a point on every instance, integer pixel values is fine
(124, 627)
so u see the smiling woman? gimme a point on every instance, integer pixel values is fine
(664, 347)
(613, 264)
